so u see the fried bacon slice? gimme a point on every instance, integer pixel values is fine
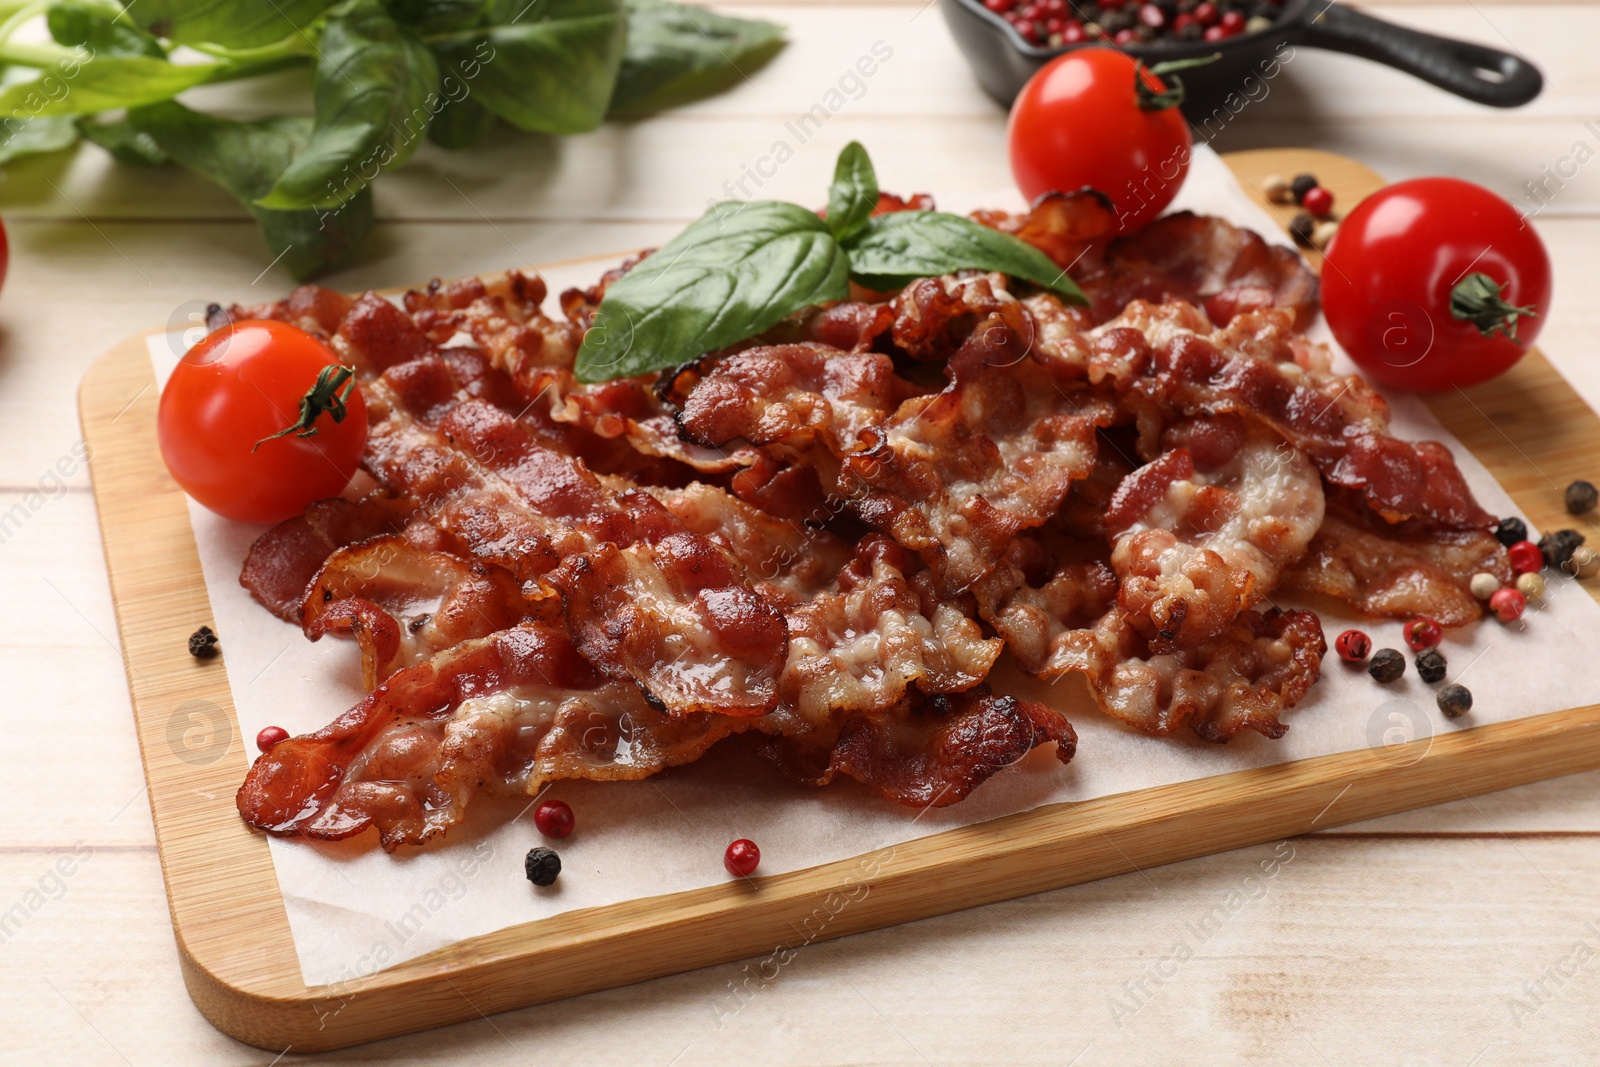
(676, 616)
(1205, 261)
(507, 499)
(503, 714)
(1054, 601)
(1206, 530)
(927, 751)
(862, 646)
(785, 560)
(282, 562)
(403, 603)
(1260, 369)
(1401, 571)
(809, 399)
(955, 476)
(1340, 422)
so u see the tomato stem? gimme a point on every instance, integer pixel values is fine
(329, 394)
(1480, 300)
(1149, 99)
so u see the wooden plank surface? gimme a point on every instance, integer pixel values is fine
(1407, 948)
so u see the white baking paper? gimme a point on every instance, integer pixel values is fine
(355, 909)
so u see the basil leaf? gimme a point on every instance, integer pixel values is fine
(677, 53)
(461, 124)
(245, 158)
(228, 23)
(374, 86)
(32, 137)
(104, 31)
(741, 269)
(547, 66)
(126, 144)
(853, 197)
(436, 16)
(78, 82)
(892, 250)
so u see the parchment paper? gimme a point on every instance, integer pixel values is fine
(355, 910)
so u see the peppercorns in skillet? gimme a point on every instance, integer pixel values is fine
(1055, 23)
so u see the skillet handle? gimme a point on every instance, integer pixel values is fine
(1481, 74)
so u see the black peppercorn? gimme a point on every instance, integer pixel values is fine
(1455, 701)
(1582, 497)
(1303, 184)
(542, 865)
(1558, 547)
(1301, 227)
(203, 643)
(1510, 531)
(1387, 665)
(1431, 665)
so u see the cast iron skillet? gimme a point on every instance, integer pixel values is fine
(1003, 61)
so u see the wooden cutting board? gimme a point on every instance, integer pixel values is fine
(1529, 428)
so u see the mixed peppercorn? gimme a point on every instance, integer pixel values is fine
(203, 643)
(1313, 227)
(1060, 22)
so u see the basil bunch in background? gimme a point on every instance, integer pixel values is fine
(384, 75)
(745, 266)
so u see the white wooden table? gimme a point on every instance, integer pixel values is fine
(1467, 933)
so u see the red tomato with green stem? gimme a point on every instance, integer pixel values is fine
(1435, 283)
(260, 419)
(1096, 117)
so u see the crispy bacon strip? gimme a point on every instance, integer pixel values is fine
(957, 475)
(1205, 261)
(928, 751)
(1341, 423)
(676, 616)
(404, 604)
(1205, 531)
(283, 561)
(807, 398)
(1399, 571)
(860, 648)
(1062, 618)
(504, 714)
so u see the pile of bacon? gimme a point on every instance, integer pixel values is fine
(821, 540)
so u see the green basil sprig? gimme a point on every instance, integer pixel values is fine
(548, 67)
(373, 81)
(384, 75)
(678, 53)
(246, 159)
(742, 268)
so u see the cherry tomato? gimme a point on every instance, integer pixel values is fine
(5, 254)
(1083, 121)
(259, 419)
(1435, 283)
